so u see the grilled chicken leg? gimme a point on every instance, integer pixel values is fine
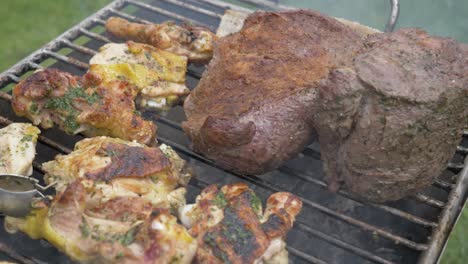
(194, 42)
(18, 148)
(231, 226)
(119, 167)
(114, 204)
(158, 75)
(83, 105)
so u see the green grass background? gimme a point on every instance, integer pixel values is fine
(26, 25)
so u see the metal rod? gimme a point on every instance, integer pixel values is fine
(455, 204)
(13, 77)
(194, 8)
(35, 65)
(225, 5)
(79, 48)
(166, 13)
(68, 60)
(268, 4)
(388, 209)
(94, 35)
(17, 257)
(130, 17)
(462, 150)
(443, 185)
(194, 73)
(342, 244)
(430, 201)
(455, 166)
(99, 21)
(393, 18)
(305, 256)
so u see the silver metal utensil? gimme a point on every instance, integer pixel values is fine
(17, 192)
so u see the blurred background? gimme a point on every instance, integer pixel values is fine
(29, 24)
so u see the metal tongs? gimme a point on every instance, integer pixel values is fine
(18, 192)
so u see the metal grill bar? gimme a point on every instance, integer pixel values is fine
(79, 48)
(462, 150)
(304, 256)
(14, 78)
(225, 5)
(35, 65)
(402, 214)
(343, 244)
(455, 166)
(12, 254)
(430, 201)
(94, 35)
(194, 8)
(68, 60)
(166, 13)
(130, 17)
(99, 21)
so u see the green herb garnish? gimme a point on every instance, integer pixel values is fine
(255, 202)
(220, 200)
(26, 138)
(33, 108)
(84, 227)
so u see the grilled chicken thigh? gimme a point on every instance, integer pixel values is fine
(119, 167)
(91, 229)
(18, 148)
(231, 226)
(114, 204)
(159, 75)
(196, 43)
(83, 105)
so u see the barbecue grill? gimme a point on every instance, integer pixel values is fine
(332, 228)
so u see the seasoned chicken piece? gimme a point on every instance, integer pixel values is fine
(159, 75)
(194, 42)
(114, 204)
(231, 227)
(91, 229)
(18, 148)
(122, 168)
(77, 105)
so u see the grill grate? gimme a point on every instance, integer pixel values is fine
(332, 228)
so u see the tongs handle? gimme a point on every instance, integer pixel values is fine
(393, 18)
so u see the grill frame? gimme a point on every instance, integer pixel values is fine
(431, 250)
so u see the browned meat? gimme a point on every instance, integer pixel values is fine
(113, 204)
(252, 108)
(231, 227)
(389, 124)
(194, 42)
(83, 105)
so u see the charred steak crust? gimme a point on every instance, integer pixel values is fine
(252, 108)
(390, 123)
(388, 109)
